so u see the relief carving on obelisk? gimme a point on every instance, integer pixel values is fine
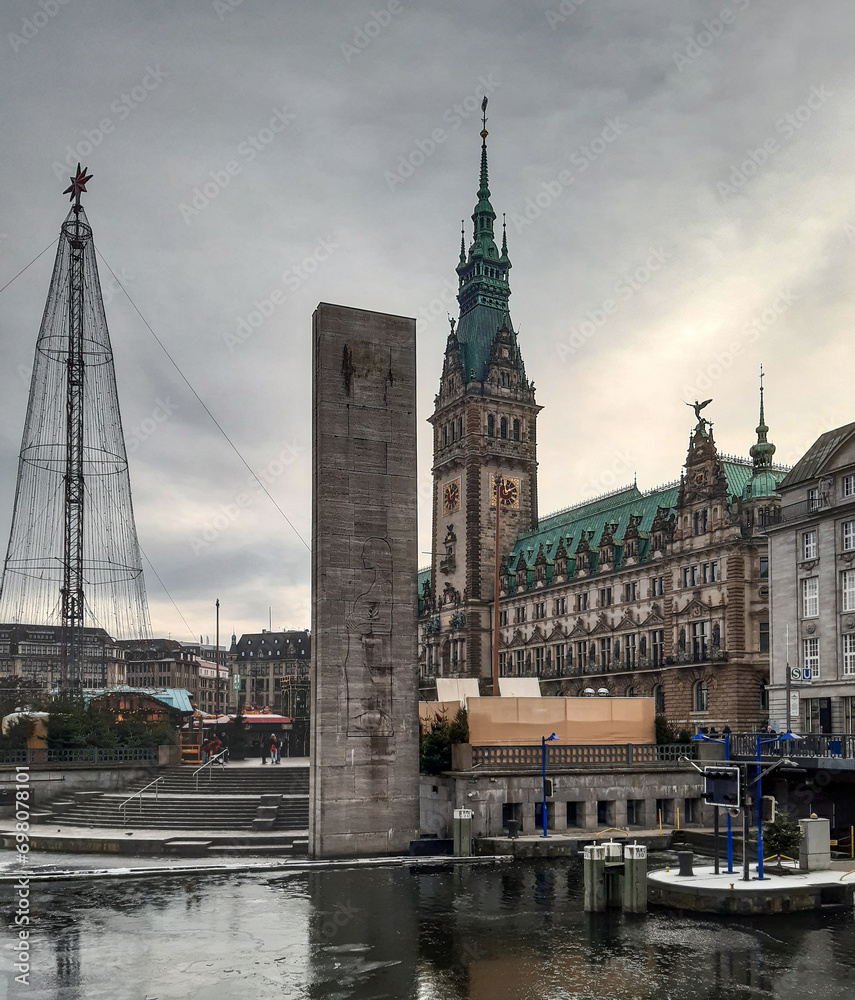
(368, 656)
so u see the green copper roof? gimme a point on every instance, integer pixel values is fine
(476, 332)
(763, 484)
(738, 474)
(592, 517)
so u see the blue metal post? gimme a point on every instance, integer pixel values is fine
(543, 770)
(759, 814)
(729, 826)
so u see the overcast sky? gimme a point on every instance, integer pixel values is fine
(327, 152)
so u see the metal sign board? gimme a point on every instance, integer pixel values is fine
(795, 707)
(807, 674)
(722, 786)
(463, 813)
(236, 679)
(795, 673)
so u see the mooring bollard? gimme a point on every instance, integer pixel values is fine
(685, 858)
(614, 850)
(635, 878)
(594, 866)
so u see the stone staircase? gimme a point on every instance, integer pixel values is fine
(224, 803)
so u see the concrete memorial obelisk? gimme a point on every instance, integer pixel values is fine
(364, 732)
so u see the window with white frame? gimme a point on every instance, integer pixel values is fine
(711, 572)
(809, 544)
(849, 655)
(810, 655)
(849, 486)
(559, 657)
(848, 589)
(848, 535)
(810, 597)
(813, 498)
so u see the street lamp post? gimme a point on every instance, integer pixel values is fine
(543, 742)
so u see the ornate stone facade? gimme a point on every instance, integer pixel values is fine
(661, 593)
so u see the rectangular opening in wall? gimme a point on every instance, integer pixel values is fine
(511, 810)
(692, 811)
(665, 811)
(635, 812)
(550, 816)
(574, 813)
(605, 812)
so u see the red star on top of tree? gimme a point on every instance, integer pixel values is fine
(78, 184)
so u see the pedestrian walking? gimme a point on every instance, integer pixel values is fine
(264, 748)
(274, 749)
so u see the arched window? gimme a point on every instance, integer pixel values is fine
(701, 699)
(516, 430)
(658, 699)
(503, 427)
(491, 425)
(630, 692)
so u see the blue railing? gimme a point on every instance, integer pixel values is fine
(81, 755)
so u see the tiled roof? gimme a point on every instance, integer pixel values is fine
(812, 463)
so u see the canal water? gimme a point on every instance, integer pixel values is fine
(511, 931)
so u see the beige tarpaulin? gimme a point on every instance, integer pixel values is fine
(524, 721)
(519, 687)
(457, 689)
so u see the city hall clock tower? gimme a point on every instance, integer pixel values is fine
(484, 425)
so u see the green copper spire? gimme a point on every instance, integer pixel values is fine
(462, 242)
(762, 452)
(484, 216)
(483, 290)
(764, 482)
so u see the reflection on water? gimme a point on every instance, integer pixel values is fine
(480, 932)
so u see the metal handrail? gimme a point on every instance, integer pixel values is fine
(208, 763)
(135, 795)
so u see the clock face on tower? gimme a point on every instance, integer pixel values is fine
(509, 492)
(451, 497)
